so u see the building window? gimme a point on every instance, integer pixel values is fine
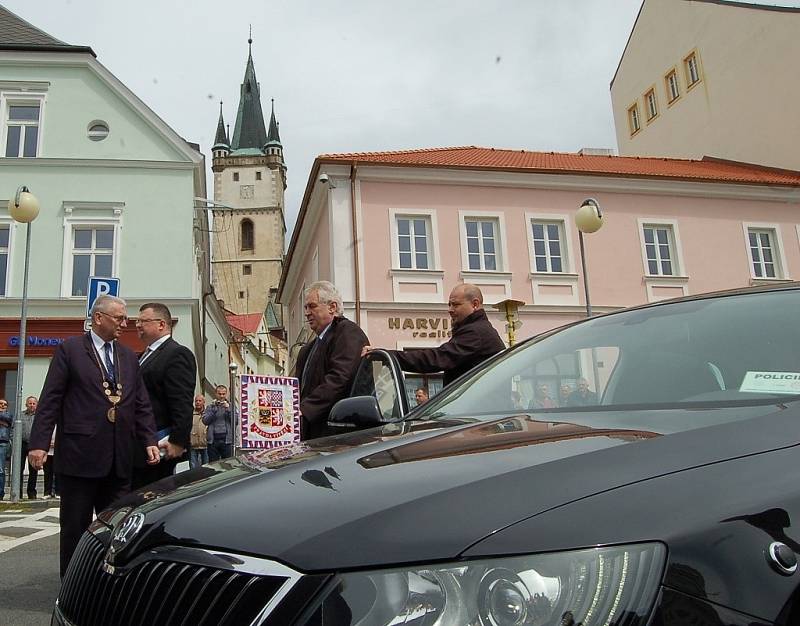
(22, 128)
(762, 243)
(241, 295)
(412, 242)
(548, 246)
(247, 270)
(482, 244)
(633, 119)
(652, 105)
(692, 69)
(258, 175)
(247, 235)
(673, 90)
(97, 131)
(659, 247)
(236, 177)
(92, 255)
(5, 235)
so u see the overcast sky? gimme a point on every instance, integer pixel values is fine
(361, 75)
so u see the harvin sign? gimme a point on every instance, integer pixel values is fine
(33, 340)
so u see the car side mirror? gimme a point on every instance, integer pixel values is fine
(355, 413)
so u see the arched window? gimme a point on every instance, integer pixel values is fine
(247, 237)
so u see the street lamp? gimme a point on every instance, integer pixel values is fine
(23, 208)
(588, 219)
(510, 309)
(233, 368)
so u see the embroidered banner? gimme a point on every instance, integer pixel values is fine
(270, 411)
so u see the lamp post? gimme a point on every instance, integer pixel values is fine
(510, 308)
(23, 208)
(233, 368)
(588, 219)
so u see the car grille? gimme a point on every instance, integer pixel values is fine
(171, 586)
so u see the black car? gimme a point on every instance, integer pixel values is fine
(664, 491)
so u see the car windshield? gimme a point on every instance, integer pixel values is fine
(724, 351)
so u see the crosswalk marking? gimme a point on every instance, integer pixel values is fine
(35, 522)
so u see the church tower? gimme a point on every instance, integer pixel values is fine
(250, 178)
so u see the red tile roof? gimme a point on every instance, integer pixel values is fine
(247, 324)
(473, 157)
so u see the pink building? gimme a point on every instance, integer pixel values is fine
(426, 220)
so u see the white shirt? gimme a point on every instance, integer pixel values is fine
(153, 347)
(99, 342)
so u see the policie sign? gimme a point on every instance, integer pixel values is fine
(100, 286)
(270, 411)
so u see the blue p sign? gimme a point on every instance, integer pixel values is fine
(100, 286)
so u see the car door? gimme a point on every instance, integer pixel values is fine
(380, 376)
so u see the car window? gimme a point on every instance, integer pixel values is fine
(375, 378)
(723, 350)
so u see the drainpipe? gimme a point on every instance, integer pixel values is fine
(353, 173)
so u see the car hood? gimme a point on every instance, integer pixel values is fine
(425, 490)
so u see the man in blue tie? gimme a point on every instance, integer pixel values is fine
(94, 393)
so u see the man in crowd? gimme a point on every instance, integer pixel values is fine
(327, 365)
(95, 394)
(169, 372)
(220, 426)
(474, 339)
(27, 423)
(198, 454)
(421, 395)
(563, 395)
(582, 396)
(541, 398)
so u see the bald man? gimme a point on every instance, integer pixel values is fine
(473, 341)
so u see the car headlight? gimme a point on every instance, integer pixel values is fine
(589, 587)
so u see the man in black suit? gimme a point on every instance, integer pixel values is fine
(94, 393)
(169, 372)
(327, 365)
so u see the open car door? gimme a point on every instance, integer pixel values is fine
(378, 395)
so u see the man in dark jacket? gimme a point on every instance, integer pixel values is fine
(474, 339)
(169, 372)
(94, 393)
(327, 365)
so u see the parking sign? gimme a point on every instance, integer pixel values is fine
(100, 286)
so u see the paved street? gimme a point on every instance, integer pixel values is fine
(28, 563)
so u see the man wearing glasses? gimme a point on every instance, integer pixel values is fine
(169, 372)
(95, 394)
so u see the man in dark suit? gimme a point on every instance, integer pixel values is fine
(169, 372)
(94, 393)
(327, 365)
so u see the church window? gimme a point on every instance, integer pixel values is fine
(247, 270)
(247, 234)
(258, 175)
(236, 177)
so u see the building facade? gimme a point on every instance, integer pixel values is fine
(710, 78)
(249, 185)
(115, 184)
(426, 220)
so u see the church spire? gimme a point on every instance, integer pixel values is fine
(249, 131)
(273, 136)
(221, 140)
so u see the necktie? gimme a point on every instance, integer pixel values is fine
(109, 362)
(145, 354)
(308, 360)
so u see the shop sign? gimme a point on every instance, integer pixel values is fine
(430, 327)
(35, 341)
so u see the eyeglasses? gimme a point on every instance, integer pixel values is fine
(119, 319)
(143, 320)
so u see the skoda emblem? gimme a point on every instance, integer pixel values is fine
(122, 536)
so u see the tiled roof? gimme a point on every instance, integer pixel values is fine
(473, 157)
(16, 33)
(248, 323)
